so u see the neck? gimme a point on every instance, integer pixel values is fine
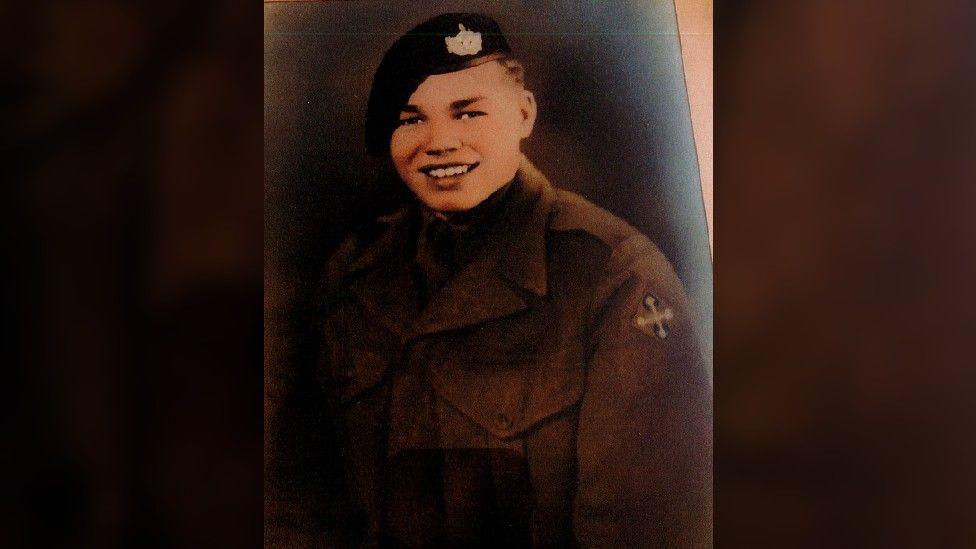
(478, 214)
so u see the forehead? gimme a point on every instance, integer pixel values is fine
(487, 80)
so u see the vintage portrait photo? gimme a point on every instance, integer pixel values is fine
(487, 278)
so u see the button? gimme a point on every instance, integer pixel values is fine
(503, 421)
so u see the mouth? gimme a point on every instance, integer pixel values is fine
(442, 171)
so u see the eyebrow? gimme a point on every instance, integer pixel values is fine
(455, 105)
(461, 103)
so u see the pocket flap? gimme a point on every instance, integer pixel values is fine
(509, 399)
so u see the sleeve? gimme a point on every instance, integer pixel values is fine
(300, 434)
(644, 445)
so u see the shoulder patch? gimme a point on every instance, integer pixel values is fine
(653, 317)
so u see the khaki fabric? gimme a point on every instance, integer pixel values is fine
(550, 393)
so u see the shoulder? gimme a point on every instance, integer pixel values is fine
(622, 248)
(368, 243)
(573, 213)
(625, 267)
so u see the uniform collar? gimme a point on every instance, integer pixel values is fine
(496, 283)
(518, 252)
(521, 256)
(482, 215)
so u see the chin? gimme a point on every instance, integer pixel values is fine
(448, 206)
(452, 204)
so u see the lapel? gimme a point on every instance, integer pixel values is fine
(380, 277)
(496, 283)
(498, 280)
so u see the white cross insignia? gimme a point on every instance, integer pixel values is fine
(465, 42)
(653, 320)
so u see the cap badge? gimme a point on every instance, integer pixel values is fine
(653, 320)
(465, 42)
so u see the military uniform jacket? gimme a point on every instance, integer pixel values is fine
(551, 393)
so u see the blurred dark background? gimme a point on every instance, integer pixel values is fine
(845, 251)
(132, 250)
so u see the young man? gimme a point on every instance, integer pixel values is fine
(510, 365)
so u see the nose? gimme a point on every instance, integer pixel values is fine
(442, 139)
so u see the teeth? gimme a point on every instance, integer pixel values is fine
(447, 172)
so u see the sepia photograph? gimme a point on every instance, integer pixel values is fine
(488, 279)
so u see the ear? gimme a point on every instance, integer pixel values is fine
(527, 108)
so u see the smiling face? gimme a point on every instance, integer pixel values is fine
(459, 136)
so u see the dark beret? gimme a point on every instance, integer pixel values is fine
(446, 43)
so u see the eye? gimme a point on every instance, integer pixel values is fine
(467, 115)
(411, 121)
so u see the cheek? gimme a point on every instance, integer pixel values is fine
(403, 147)
(491, 137)
(500, 137)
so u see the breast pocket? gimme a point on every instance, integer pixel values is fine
(509, 398)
